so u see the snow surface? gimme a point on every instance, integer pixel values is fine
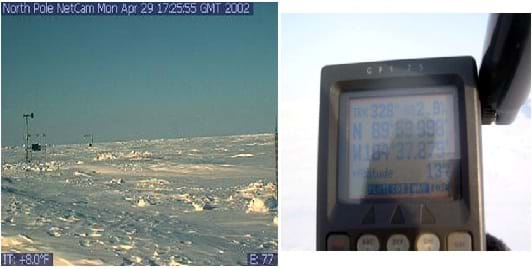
(185, 201)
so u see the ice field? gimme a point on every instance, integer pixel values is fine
(184, 201)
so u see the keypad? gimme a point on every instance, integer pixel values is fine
(425, 241)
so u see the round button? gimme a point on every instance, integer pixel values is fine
(459, 241)
(368, 242)
(428, 241)
(398, 242)
(337, 242)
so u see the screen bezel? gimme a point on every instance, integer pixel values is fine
(344, 129)
(346, 90)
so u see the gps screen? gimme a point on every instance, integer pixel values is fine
(402, 146)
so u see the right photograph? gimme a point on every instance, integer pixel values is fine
(405, 132)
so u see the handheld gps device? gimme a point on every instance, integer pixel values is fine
(399, 157)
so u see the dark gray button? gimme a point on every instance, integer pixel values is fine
(369, 217)
(338, 242)
(398, 217)
(426, 216)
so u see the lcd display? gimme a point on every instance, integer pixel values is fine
(402, 146)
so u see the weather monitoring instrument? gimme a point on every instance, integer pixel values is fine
(399, 162)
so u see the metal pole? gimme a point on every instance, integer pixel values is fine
(45, 149)
(91, 143)
(27, 139)
(27, 116)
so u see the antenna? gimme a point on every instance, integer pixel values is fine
(92, 139)
(27, 117)
(45, 147)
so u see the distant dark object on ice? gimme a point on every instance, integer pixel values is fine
(36, 147)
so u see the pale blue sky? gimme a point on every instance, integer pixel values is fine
(135, 77)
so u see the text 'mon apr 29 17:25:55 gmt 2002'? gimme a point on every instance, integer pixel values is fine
(129, 8)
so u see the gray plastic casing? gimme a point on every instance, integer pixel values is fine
(463, 213)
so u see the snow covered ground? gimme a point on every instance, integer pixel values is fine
(196, 201)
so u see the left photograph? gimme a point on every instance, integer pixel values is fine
(148, 139)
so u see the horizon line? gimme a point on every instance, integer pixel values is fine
(150, 139)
